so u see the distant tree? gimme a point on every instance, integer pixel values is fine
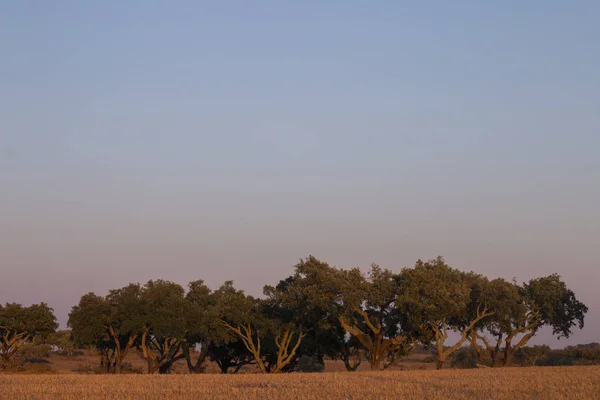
(593, 345)
(19, 325)
(438, 299)
(584, 354)
(529, 356)
(62, 341)
(464, 358)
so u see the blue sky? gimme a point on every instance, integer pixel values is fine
(225, 140)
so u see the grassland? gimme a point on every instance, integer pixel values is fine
(509, 383)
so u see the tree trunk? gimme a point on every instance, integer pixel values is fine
(507, 352)
(375, 364)
(199, 366)
(349, 366)
(107, 360)
(440, 364)
(237, 368)
(224, 366)
(165, 368)
(152, 366)
(493, 356)
(118, 362)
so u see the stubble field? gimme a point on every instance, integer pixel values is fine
(509, 383)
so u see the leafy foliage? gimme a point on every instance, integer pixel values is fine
(20, 325)
(322, 312)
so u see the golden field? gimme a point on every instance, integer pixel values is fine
(509, 383)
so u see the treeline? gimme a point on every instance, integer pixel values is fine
(539, 355)
(320, 312)
(587, 354)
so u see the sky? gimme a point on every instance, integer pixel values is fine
(190, 140)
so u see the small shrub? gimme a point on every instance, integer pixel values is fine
(36, 360)
(128, 368)
(86, 368)
(309, 364)
(464, 358)
(36, 369)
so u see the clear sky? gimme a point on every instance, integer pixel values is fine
(225, 140)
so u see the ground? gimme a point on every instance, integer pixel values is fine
(89, 361)
(507, 383)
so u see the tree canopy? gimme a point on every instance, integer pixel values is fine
(19, 325)
(318, 312)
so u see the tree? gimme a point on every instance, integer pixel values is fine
(126, 320)
(165, 325)
(226, 348)
(316, 298)
(286, 341)
(529, 356)
(520, 311)
(438, 299)
(230, 355)
(19, 325)
(549, 303)
(201, 324)
(352, 354)
(89, 322)
(504, 299)
(111, 324)
(308, 300)
(272, 341)
(63, 342)
(371, 314)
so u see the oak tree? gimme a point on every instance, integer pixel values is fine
(438, 300)
(19, 325)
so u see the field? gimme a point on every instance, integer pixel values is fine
(509, 383)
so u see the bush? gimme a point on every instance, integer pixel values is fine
(309, 364)
(530, 355)
(556, 358)
(32, 350)
(87, 368)
(464, 358)
(65, 353)
(33, 369)
(128, 368)
(580, 355)
(36, 360)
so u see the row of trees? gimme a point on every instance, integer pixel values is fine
(538, 355)
(318, 312)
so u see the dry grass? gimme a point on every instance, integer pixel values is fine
(509, 383)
